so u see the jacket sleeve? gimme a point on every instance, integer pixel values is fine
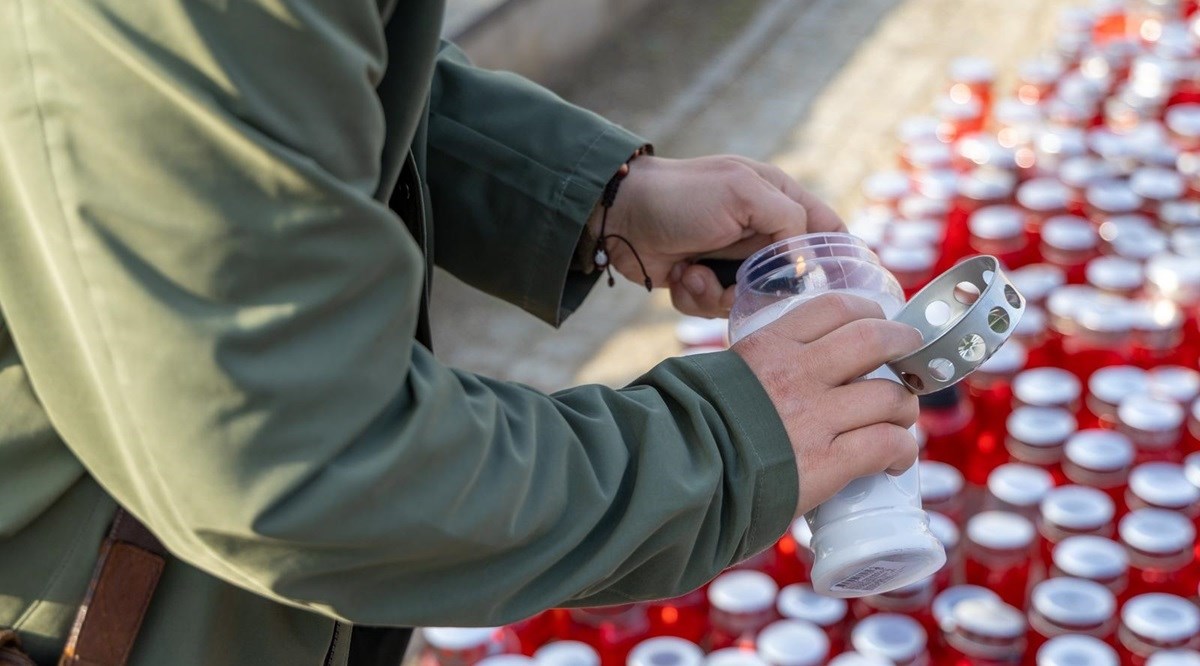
(218, 319)
(514, 172)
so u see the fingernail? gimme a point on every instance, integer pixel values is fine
(694, 283)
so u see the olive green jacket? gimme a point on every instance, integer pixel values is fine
(209, 316)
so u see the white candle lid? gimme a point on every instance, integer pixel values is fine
(1157, 183)
(972, 69)
(1148, 413)
(1184, 119)
(1076, 650)
(917, 232)
(1164, 618)
(1184, 213)
(1164, 485)
(1069, 233)
(458, 638)
(1090, 557)
(734, 656)
(988, 617)
(1113, 196)
(1139, 242)
(567, 653)
(1172, 273)
(1074, 602)
(1036, 281)
(987, 183)
(997, 222)
(1083, 170)
(859, 659)
(1078, 508)
(890, 635)
(944, 530)
(743, 592)
(1067, 142)
(1018, 484)
(946, 600)
(1043, 194)
(801, 602)
(939, 481)
(1065, 301)
(666, 651)
(1113, 383)
(1179, 383)
(505, 660)
(1114, 273)
(1000, 530)
(937, 183)
(917, 128)
(886, 185)
(1100, 450)
(907, 257)
(1041, 426)
(1180, 657)
(792, 643)
(1047, 387)
(1191, 467)
(919, 206)
(1156, 531)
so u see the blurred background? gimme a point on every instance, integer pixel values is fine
(818, 87)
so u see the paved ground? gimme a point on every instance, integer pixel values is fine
(816, 86)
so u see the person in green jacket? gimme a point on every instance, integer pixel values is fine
(211, 313)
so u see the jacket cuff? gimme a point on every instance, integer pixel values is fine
(580, 195)
(762, 442)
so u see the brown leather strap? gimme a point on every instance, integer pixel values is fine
(106, 626)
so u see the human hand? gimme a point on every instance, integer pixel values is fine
(808, 361)
(675, 211)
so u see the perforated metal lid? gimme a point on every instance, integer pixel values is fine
(1156, 531)
(575, 653)
(792, 643)
(1148, 413)
(1037, 281)
(946, 600)
(1157, 183)
(734, 656)
(1100, 450)
(1163, 485)
(1115, 273)
(1091, 557)
(801, 602)
(990, 618)
(1074, 602)
(964, 315)
(1077, 508)
(939, 481)
(1164, 618)
(1019, 484)
(889, 635)
(458, 638)
(1113, 196)
(1043, 194)
(743, 592)
(944, 530)
(1000, 530)
(886, 186)
(1041, 426)
(859, 659)
(1076, 650)
(1046, 387)
(1113, 383)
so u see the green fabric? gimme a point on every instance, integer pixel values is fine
(209, 316)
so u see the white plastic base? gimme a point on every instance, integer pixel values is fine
(874, 552)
